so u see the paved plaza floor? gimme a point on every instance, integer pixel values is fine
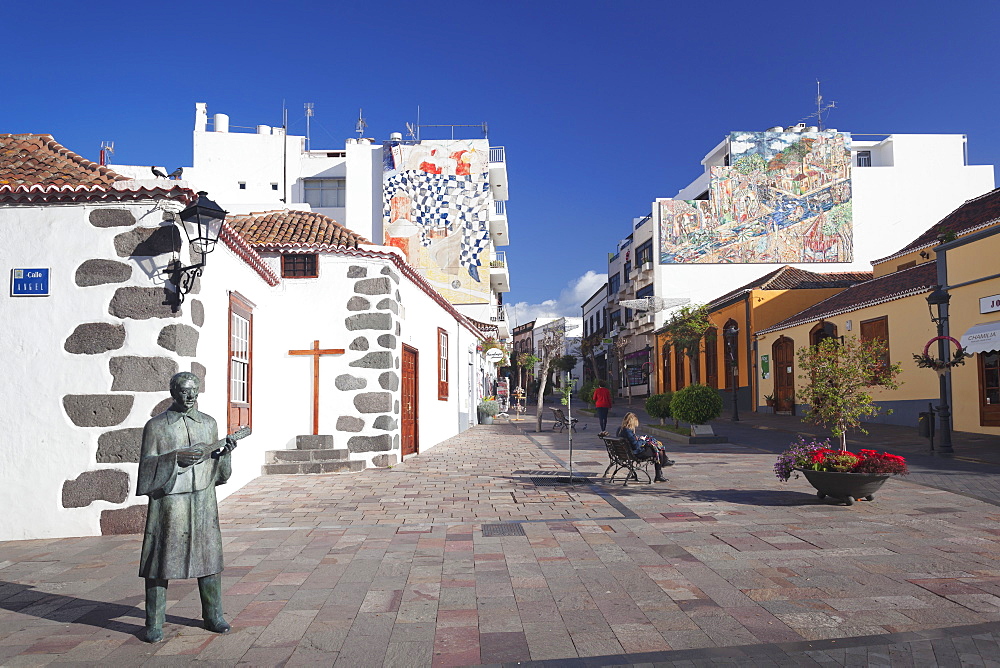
(470, 554)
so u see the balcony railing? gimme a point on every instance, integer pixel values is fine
(501, 315)
(499, 260)
(497, 154)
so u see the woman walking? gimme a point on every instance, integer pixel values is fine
(644, 447)
(602, 401)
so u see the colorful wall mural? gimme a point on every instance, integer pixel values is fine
(785, 197)
(436, 204)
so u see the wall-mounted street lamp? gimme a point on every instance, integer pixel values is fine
(732, 333)
(202, 223)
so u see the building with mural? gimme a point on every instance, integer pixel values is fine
(806, 198)
(443, 203)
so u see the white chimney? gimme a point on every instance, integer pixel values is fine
(395, 136)
(221, 123)
(200, 116)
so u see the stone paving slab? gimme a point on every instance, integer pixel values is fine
(723, 563)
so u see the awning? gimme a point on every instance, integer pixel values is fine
(982, 338)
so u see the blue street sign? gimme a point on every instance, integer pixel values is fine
(29, 283)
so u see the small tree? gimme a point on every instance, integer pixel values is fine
(839, 378)
(696, 404)
(549, 348)
(525, 361)
(658, 405)
(685, 329)
(586, 393)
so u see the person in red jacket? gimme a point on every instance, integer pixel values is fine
(602, 401)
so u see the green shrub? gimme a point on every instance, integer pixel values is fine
(696, 404)
(586, 393)
(489, 407)
(658, 405)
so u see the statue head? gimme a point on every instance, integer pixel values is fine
(184, 388)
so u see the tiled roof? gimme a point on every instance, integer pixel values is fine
(912, 281)
(286, 229)
(792, 278)
(37, 168)
(974, 215)
(27, 160)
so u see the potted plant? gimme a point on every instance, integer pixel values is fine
(696, 404)
(836, 473)
(487, 408)
(769, 400)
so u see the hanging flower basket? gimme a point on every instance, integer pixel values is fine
(925, 361)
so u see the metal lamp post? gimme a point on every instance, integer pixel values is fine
(941, 298)
(731, 334)
(202, 223)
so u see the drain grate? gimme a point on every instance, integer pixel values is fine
(494, 530)
(557, 480)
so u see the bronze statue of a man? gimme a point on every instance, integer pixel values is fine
(182, 461)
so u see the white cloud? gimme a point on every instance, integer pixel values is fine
(569, 302)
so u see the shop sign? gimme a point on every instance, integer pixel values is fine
(989, 304)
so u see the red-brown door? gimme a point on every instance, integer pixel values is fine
(989, 388)
(408, 412)
(783, 352)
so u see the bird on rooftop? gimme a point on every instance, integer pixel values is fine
(158, 173)
(176, 174)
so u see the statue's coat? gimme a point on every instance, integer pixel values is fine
(182, 538)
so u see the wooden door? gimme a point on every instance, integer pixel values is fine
(783, 354)
(989, 389)
(408, 411)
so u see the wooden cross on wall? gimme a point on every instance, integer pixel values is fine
(315, 351)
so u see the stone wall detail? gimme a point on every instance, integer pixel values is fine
(97, 410)
(119, 446)
(119, 521)
(141, 374)
(373, 320)
(95, 337)
(148, 241)
(181, 339)
(110, 485)
(142, 303)
(102, 272)
(111, 218)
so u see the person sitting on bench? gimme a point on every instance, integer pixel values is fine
(644, 447)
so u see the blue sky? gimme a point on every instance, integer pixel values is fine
(602, 106)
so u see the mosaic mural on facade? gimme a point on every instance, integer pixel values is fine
(785, 197)
(436, 204)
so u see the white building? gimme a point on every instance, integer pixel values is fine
(90, 346)
(817, 200)
(387, 192)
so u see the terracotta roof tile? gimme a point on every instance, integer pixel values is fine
(38, 169)
(274, 230)
(29, 160)
(793, 278)
(912, 281)
(975, 214)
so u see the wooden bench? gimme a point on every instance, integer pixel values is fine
(561, 421)
(621, 458)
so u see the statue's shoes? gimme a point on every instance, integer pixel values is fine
(217, 625)
(152, 635)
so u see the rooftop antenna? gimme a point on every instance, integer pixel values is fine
(107, 148)
(411, 129)
(360, 126)
(820, 108)
(309, 114)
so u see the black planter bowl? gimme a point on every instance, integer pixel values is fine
(847, 487)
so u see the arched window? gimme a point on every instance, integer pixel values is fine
(679, 380)
(822, 330)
